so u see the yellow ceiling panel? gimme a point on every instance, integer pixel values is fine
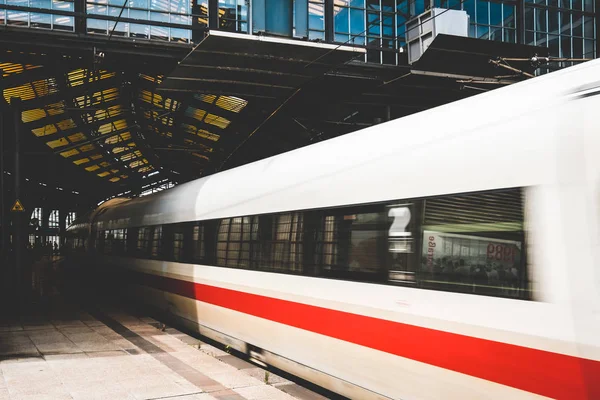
(230, 103)
(45, 87)
(69, 153)
(207, 98)
(128, 157)
(77, 137)
(195, 113)
(57, 143)
(66, 124)
(114, 171)
(24, 92)
(217, 121)
(118, 138)
(33, 115)
(81, 161)
(103, 174)
(12, 69)
(200, 156)
(87, 147)
(147, 168)
(55, 108)
(96, 157)
(45, 130)
(92, 168)
(114, 179)
(137, 163)
(104, 164)
(124, 176)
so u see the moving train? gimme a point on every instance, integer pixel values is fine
(450, 254)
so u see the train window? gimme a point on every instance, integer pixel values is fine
(235, 240)
(143, 240)
(474, 243)
(178, 247)
(120, 241)
(157, 237)
(108, 236)
(286, 246)
(198, 241)
(328, 242)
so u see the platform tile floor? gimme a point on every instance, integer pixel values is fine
(115, 355)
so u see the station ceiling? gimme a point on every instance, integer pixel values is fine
(104, 116)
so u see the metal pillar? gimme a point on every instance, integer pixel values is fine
(329, 21)
(213, 14)
(3, 191)
(17, 217)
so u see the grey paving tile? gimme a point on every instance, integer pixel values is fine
(262, 392)
(236, 362)
(262, 375)
(300, 392)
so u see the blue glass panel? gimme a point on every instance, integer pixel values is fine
(553, 3)
(97, 25)
(577, 48)
(496, 14)
(564, 3)
(40, 20)
(387, 5)
(565, 23)
(472, 30)
(341, 37)
(159, 32)
(313, 35)
(588, 27)
(589, 49)
(565, 46)
(388, 25)
(357, 3)
(541, 39)
(529, 21)
(510, 35)
(61, 22)
(482, 31)
(400, 25)
(358, 40)
(509, 15)
(373, 22)
(540, 20)
(373, 4)
(315, 16)
(529, 37)
(159, 5)
(357, 21)
(340, 19)
(140, 31)
(40, 4)
(496, 34)
(138, 4)
(588, 5)
(180, 35)
(553, 26)
(96, 9)
(553, 45)
(482, 13)
(577, 5)
(469, 7)
(138, 14)
(115, 11)
(577, 25)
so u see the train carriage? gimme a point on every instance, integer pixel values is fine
(449, 254)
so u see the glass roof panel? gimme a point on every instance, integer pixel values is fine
(81, 161)
(57, 143)
(69, 153)
(45, 130)
(217, 121)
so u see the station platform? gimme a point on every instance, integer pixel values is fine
(72, 351)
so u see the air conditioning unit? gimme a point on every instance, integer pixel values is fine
(421, 30)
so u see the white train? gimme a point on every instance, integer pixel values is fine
(451, 254)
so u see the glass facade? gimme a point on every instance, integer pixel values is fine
(566, 27)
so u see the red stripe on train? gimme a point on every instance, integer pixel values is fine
(549, 374)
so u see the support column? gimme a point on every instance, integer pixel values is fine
(329, 21)
(213, 14)
(17, 216)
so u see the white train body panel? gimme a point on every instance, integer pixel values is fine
(535, 134)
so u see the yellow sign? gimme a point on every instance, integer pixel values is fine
(17, 207)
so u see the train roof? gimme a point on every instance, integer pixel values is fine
(502, 138)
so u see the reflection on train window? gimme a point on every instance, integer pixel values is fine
(235, 239)
(286, 246)
(469, 243)
(474, 243)
(328, 242)
(143, 240)
(108, 242)
(156, 241)
(178, 243)
(198, 240)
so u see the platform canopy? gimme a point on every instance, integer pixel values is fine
(114, 116)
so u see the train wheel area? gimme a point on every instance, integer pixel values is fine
(74, 341)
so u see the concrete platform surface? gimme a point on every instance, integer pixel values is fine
(111, 354)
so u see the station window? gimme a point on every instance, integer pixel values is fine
(108, 242)
(70, 218)
(235, 241)
(233, 15)
(36, 217)
(53, 219)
